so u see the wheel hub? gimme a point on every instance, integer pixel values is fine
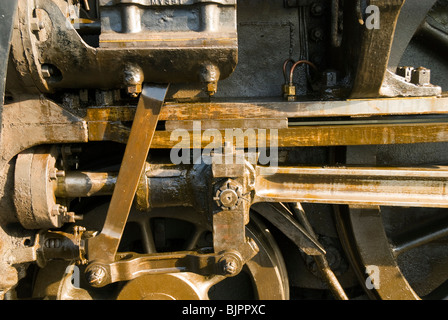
(161, 287)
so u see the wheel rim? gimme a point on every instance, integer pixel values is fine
(364, 239)
(389, 241)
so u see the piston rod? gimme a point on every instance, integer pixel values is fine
(409, 187)
(414, 187)
(159, 185)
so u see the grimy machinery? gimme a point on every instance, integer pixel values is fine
(209, 149)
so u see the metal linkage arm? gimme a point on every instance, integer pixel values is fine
(104, 246)
(130, 265)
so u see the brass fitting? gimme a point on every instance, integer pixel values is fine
(211, 88)
(289, 91)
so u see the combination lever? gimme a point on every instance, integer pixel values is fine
(104, 246)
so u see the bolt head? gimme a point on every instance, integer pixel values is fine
(228, 198)
(211, 88)
(317, 9)
(46, 71)
(58, 210)
(230, 265)
(96, 275)
(405, 72)
(36, 25)
(53, 174)
(421, 76)
(134, 90)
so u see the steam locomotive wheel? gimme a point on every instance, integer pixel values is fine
(409, 264)
(403, 249)
(168, 230)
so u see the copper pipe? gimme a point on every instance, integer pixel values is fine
(291, 73)
(285, 64)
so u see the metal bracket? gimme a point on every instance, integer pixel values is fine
(231, 204)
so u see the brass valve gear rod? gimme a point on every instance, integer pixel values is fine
(104, 246)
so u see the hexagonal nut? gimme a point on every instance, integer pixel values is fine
(289, 90)
(68, 217)
(58, 210)
(405, 72)
(211, 88)
(134, 90)
(36, 25)
(421, 76)
(230, 264)
(291, 98)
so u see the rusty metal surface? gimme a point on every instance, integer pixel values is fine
(38, 121)
(413, 187)
(375, 75)
(135, 52)
(230, 209)
(189, 125)
(388, 186)
(302, 136)
(35, 202)
(129, 266)
(106, 123)
(290, 228)
(179, 286)
(104, 246)
(85, 184)
(372, 68)
(271, 108)
(358, 225)
(267, 265)
(156, 230)
(366, 225)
